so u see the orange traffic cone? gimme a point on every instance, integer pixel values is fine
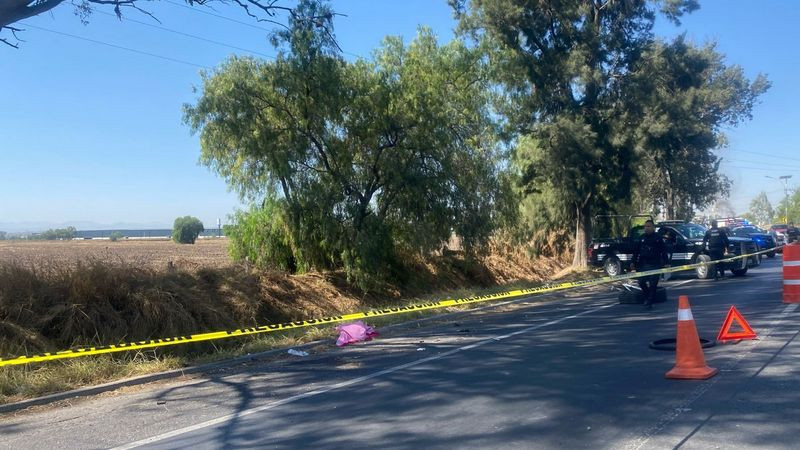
(690, 364)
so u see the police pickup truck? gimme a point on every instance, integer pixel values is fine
(684, 242)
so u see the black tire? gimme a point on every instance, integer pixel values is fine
(612, 266)
(635, 297)
(669, 344)
(661, 295)
(703, 272)
(739, 272)
(771, 254)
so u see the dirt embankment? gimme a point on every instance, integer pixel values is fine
(55, 295)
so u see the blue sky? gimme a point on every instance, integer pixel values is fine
(94, 133)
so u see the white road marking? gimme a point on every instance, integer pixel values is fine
(682, 283)
(673, 414)
(247, 412)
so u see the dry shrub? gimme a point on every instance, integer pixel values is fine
(94, 302)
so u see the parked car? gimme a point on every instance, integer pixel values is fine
(779, 233)
(763, 239)
(614, 253)
(792, 233)
(688, 248)
(685, 245)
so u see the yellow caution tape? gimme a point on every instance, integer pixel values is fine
(177, 340)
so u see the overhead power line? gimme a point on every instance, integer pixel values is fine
(771, 155)
(120, 47)
(219, 16)
(760, 168)
(200, 38)
(202, 11)
(760, 163)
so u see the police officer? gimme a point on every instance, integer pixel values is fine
(649, 253)
(792, 233)
(716, 242)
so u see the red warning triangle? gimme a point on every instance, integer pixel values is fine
(725, 333)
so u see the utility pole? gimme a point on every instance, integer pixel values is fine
(785, 180)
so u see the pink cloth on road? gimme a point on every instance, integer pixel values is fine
(354, 332)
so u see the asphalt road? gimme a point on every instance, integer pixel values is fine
(572, 372)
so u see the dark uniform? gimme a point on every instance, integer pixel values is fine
(649, 253)
(717, 241)
(792, 234)
(669, 244)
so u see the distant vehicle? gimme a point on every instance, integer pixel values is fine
(779, 233)
(732, 222)
(614, 253)
(794, 234)
(684, 243)
(688, 248)
(763, 239)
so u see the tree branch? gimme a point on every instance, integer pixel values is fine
(5, 41)
(267, 9)
(119, 4)
(270, 8)
(13, 11)
(14, 33)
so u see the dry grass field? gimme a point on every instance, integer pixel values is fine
(153, 254)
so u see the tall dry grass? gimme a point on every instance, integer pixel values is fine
(52, 307)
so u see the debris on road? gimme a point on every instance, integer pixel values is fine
(297, 352)
(354, 332)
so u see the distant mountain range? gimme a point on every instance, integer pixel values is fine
(34, 226)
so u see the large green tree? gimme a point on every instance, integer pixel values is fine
(679, 99)
(788, 209)
(761, 210)
(360, 158)
(565, 65)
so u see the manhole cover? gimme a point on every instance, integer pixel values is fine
(669, 344)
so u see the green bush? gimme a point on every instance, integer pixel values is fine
(116, 235)
(63, 234)
(186, 229)
(261, 237)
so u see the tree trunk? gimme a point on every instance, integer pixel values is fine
(670, 194)
(583, 231)
(670, 204)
